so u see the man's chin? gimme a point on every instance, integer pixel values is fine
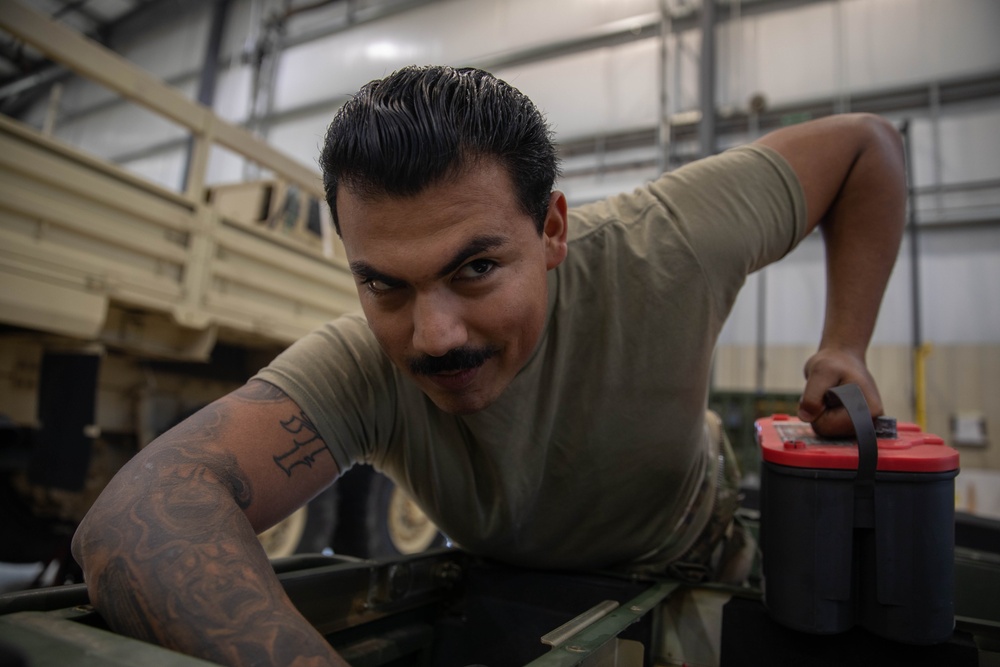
(462, 392)
(459, 405)
(466, 401)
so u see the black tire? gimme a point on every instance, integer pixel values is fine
(370, 519)
(309, 530)
(321, 522)
(27, 538)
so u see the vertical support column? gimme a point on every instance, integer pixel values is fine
(52, 109)
(920, 349)
(842, 101)
(760, 371)
(209, 73)
(756, 105)
(67, 403)
(201, 244)
(663, 130)
(706, 79)
(197, 164)
(934, 99)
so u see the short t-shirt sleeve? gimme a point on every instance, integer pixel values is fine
(738, 211)
(340, 378)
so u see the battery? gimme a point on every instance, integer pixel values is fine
(858, 531)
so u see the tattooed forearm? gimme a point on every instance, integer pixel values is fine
(306, 444)
(171, 558)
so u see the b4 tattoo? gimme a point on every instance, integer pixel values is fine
(307, 444)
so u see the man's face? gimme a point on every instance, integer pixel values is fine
(453, 281)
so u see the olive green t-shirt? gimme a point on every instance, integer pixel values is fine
(590, 457)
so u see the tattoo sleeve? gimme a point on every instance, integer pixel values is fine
(171, 558)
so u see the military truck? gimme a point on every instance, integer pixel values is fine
(125, 306)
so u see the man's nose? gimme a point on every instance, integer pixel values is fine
(438, 325)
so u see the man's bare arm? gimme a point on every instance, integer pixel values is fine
(169, 550)
(851, 168)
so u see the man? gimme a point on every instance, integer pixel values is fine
(535, 377)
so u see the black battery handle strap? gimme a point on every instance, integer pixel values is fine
(853, 400)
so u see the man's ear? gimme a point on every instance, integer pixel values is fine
(554, 230)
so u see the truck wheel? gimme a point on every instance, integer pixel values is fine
(379, 520)
(28, 538)
(307, 530)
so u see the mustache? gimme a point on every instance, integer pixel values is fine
(459, 359)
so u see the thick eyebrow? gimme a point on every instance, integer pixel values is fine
(475, 246)
(366, 271)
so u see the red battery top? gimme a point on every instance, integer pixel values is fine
(790, 442)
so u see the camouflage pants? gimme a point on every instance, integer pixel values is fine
(723, 551)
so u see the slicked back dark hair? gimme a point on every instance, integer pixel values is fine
(423, 125)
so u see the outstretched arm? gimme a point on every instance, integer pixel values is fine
(169, 550)
(852, 170)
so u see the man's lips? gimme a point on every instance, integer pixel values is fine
(454, 380)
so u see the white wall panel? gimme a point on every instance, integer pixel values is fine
(960, 280)
(301, 138)
(924, 152)
(854, 46)
(795, 296)
(960, 301)
(224, 166)
(458, 32)
(893, 42)
(584, 179)
(593, 188)
(119, 130)
(613, 89)
(171, 47)
(684, 61)
(736, 74)
(242, 26)
(895, 318)
(595, 92)
(232, 94)
(794, 55)
(81, 94)
(970, 144)
(795, 301)
(166, 169)
(525, 22)
(961, 147)
(741, 327)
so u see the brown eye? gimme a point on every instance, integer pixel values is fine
(477, 268)
(377, 286)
